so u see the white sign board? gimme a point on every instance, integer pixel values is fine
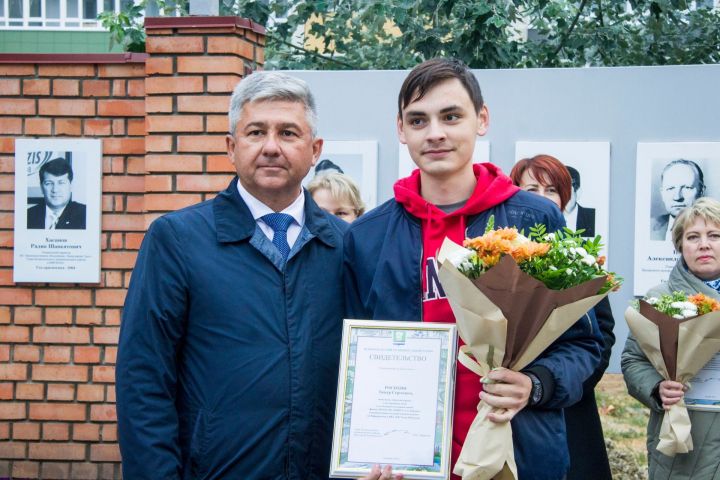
(57, 217)
(669, 177)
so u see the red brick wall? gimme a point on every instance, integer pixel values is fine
(58, 343)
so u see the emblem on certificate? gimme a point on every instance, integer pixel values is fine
(395, 399)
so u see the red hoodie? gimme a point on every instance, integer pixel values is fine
(493, 187)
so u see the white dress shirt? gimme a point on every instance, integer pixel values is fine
(571, 218)
(258, 209)
(51, 218)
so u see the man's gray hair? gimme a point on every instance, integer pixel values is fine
(272, 86)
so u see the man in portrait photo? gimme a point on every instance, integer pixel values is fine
(681, 183)
(57, 210)
(576, 216)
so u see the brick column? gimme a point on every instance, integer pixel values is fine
(58, 341)
(194, 64)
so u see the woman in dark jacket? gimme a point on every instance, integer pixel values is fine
(547, 176)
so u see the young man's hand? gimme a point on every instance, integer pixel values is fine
(671, 393)
(382, 474)
(508, 394)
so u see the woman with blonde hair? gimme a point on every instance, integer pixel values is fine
(338, 194)
(696, 236)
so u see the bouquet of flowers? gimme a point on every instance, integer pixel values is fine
(512, 297)
(681, 306)
(679, 334)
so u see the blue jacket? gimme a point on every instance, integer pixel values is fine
(383, 281)
(227, 363)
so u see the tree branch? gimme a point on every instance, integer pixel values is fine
(572, 27)
(314, 54)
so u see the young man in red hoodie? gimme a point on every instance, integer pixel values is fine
(391, 268)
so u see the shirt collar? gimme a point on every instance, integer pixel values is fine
(49, 212)
(258, 209)
(714, 284)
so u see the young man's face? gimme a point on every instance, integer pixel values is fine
(440, 130)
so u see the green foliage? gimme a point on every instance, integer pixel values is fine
(376, 34)
(354, 34)
(641, 32)
(491, 224)
(677, 305)
(126, 27)
(570, 261)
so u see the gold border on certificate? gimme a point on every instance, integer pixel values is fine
(396, 416)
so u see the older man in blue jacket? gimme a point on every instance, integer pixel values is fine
(227, 364)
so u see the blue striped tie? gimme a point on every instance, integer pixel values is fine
(279, 222)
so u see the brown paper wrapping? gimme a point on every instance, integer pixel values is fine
(505, 317)
(678, 349)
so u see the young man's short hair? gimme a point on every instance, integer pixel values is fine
(434, 71)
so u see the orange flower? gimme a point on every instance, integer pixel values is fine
(611, 281)
(704, 303)
(601, 260)
(505, 241)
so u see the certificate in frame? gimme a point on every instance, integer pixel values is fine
(396, 389)
(704, 393)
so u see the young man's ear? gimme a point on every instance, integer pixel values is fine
(401, 134)
(483, 121)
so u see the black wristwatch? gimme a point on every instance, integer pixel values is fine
(536, 391)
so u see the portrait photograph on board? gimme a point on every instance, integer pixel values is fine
(58, 206)
(356, 159)
(52, 204)
(669, 177)
(588, 164)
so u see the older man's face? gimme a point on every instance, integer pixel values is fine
(680, 188)
(273, 149)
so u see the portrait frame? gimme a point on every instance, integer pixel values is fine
(380, 402)
(591, 160)
(655, 256)
(358, 159)
(57, 227)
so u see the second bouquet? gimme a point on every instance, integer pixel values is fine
(512, 297)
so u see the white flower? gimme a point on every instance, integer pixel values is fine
(461, 257)
(689, 313)
(685, 306)
(553, 267)
(678, 316)
(569, 271)
(651, 300)
(589, 259)
(549, 237)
